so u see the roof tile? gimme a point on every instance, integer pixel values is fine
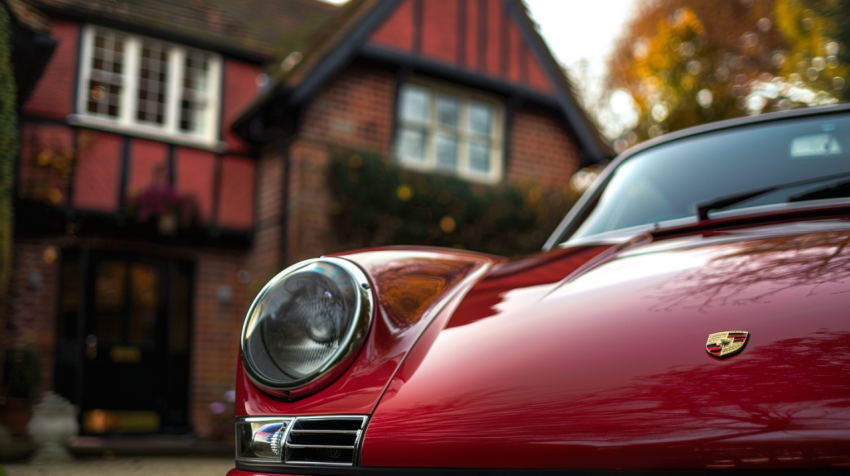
(266, 27)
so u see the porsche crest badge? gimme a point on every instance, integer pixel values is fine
(724, 344)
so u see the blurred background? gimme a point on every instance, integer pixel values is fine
(161, 160)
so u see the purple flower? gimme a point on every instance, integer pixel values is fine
(218, 408)
(158, 201)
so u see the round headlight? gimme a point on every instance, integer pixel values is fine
(306, 325)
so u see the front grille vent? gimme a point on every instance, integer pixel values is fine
(324, 440)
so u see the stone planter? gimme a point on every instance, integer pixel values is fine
(53, 423)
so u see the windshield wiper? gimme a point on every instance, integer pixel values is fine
(729, 200)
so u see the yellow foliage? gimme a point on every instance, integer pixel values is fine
(686, 62)
(812, 30)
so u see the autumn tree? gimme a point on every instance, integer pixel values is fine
(685, 62)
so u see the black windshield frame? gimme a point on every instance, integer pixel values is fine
(582, 209)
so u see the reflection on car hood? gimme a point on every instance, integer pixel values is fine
(606, 367)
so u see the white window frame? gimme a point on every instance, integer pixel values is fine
(465, 96)
(126, 122)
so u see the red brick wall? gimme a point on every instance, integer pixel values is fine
(355, 110)
(31, 309)
(541, 149)
(54, 95)
(309, 230)
(264, 259)
(216, 331)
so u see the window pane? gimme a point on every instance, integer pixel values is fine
(411, 144)
(480, 117)
(479, 157)
(143, 304)
(109, 292)
(105, 81)
(153, 83)
(447, 111)
(446, 152)
(414, 103)
(195, 92)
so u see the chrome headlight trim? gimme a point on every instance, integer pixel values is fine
(338, 362)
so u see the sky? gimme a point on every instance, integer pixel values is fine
(576, 29)
(585, 31)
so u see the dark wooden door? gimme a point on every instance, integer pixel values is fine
(133, 342)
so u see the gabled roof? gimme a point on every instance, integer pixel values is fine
(347, 35)
(28, 16)
(256, 28)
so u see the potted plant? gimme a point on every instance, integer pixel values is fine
(21, 387)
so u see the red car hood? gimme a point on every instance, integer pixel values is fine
(607, 369)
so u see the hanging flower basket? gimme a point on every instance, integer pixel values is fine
(168, 208)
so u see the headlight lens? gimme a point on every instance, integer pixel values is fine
(307, 320)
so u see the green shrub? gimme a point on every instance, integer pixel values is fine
(376, 203)
(8, 147)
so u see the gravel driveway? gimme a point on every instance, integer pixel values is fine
(162, 466)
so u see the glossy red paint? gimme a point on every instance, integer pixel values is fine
(532, 277)
(412, 286)
(608, 368)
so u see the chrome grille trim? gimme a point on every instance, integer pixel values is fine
(339, 426)
(330, 440)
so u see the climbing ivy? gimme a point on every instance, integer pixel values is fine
(8, 147)
(376, 203)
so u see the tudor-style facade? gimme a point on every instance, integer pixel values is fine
(136, 307)
(135, 205)
(458, 87)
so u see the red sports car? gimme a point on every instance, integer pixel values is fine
(691, 312)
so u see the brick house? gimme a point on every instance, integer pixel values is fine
(465, 88)
(166, 170)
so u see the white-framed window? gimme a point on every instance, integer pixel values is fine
(148, 87)
(451, 130)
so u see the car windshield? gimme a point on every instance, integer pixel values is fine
(669, 181)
